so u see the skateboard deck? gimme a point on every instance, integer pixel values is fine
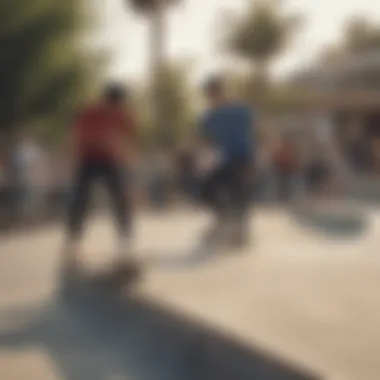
(117, 278)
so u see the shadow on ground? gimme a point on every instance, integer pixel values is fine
(194, 257)
(350, 224)
(92, 335)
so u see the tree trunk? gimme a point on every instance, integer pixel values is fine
(157, 62)
(259, 84)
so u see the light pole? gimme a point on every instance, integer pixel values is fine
(157, 51)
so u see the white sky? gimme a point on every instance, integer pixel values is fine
(191, 32)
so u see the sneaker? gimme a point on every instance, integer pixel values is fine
(239, 237)
(121, 274)
(213, 235)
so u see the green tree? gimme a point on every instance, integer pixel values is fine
(176, 103)
(44, 66)
(155, 11)
(361, 36)
(177, 111)
(259, 36)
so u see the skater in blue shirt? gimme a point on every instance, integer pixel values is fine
(228, 127)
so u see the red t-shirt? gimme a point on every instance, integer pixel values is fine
(101, 130)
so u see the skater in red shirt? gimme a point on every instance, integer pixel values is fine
(103, 136)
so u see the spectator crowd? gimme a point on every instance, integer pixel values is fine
(36, 183)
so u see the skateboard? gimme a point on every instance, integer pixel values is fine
(117, 279)
(120, 278)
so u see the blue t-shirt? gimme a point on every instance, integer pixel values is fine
(230, 129)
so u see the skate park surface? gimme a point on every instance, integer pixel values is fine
(295, 305)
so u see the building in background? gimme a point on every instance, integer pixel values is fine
(349, 93)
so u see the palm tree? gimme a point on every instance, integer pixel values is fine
(155, 11)
(259, 36)
(177, 112)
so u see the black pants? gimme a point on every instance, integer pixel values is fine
(227, 191)
(89, 172)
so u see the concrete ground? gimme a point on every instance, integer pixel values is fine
(295, 293)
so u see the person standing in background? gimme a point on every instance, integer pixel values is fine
(286, 164)
(335, 172)
(59, 183)
(29, 171)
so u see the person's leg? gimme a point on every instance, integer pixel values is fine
(86, 173)
(240, 185)
(120, 197)
(212, 194)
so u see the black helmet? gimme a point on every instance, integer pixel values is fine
(115, 93)
(213, 84)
